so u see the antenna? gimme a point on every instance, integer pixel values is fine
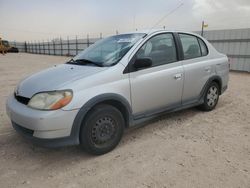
(134, 22)
(168, 14)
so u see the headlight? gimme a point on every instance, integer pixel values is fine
(51, 100)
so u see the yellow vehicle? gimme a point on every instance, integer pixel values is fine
(5, 47)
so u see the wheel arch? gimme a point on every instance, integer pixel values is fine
(115, 100)
(219, 82)
(217, 79)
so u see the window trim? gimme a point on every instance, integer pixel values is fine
(197, 38)
(129, 68)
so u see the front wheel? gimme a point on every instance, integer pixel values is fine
(102, 129)
(211, 97)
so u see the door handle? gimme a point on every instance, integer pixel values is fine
(177, 76)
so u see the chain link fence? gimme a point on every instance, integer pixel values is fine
(60, 47)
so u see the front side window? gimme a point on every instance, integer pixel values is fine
(161, 49)
(108, 51)
(190, 45)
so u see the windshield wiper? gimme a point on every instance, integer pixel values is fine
(84, 62)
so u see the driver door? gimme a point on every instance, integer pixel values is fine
(156, 88)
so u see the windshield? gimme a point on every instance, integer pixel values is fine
(108, 51)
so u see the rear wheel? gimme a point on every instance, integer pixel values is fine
(211, 97)
(102, 129)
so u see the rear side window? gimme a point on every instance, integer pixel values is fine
(204, 49)
(190, 45)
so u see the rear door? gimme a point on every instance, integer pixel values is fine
(197, 67)
(160, 86)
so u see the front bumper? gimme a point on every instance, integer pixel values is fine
(48, 143)
(44, 127)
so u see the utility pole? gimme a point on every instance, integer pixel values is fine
(202, 28)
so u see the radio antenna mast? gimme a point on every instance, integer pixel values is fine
(168, 14)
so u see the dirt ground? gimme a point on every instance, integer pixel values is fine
(184, 149)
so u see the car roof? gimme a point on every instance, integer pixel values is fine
(152, 31)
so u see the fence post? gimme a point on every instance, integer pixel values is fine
(32, 47)
(54, 48)
(39, 47)
(87, 40)
(25, 47)
(35, 48)
(68, 45)
(61, 46)
(76, 45)
(43, 48)
(49, 46)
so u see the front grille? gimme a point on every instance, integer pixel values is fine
(22, 100)
(22, 130)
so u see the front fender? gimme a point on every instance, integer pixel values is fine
(90, 104)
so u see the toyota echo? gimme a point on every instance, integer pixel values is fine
(116, 83)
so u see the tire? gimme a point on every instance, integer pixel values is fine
(211, 97)
(102, 129)
(13, 50)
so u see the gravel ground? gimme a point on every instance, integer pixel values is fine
(184, 149)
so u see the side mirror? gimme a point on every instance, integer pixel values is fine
(142, 63)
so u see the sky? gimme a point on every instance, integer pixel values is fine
(38, 20)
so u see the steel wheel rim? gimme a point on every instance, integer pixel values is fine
(212, 96)
(103, 131)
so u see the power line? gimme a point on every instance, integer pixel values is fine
(168, 14)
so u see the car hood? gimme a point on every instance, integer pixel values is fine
(54, 78)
